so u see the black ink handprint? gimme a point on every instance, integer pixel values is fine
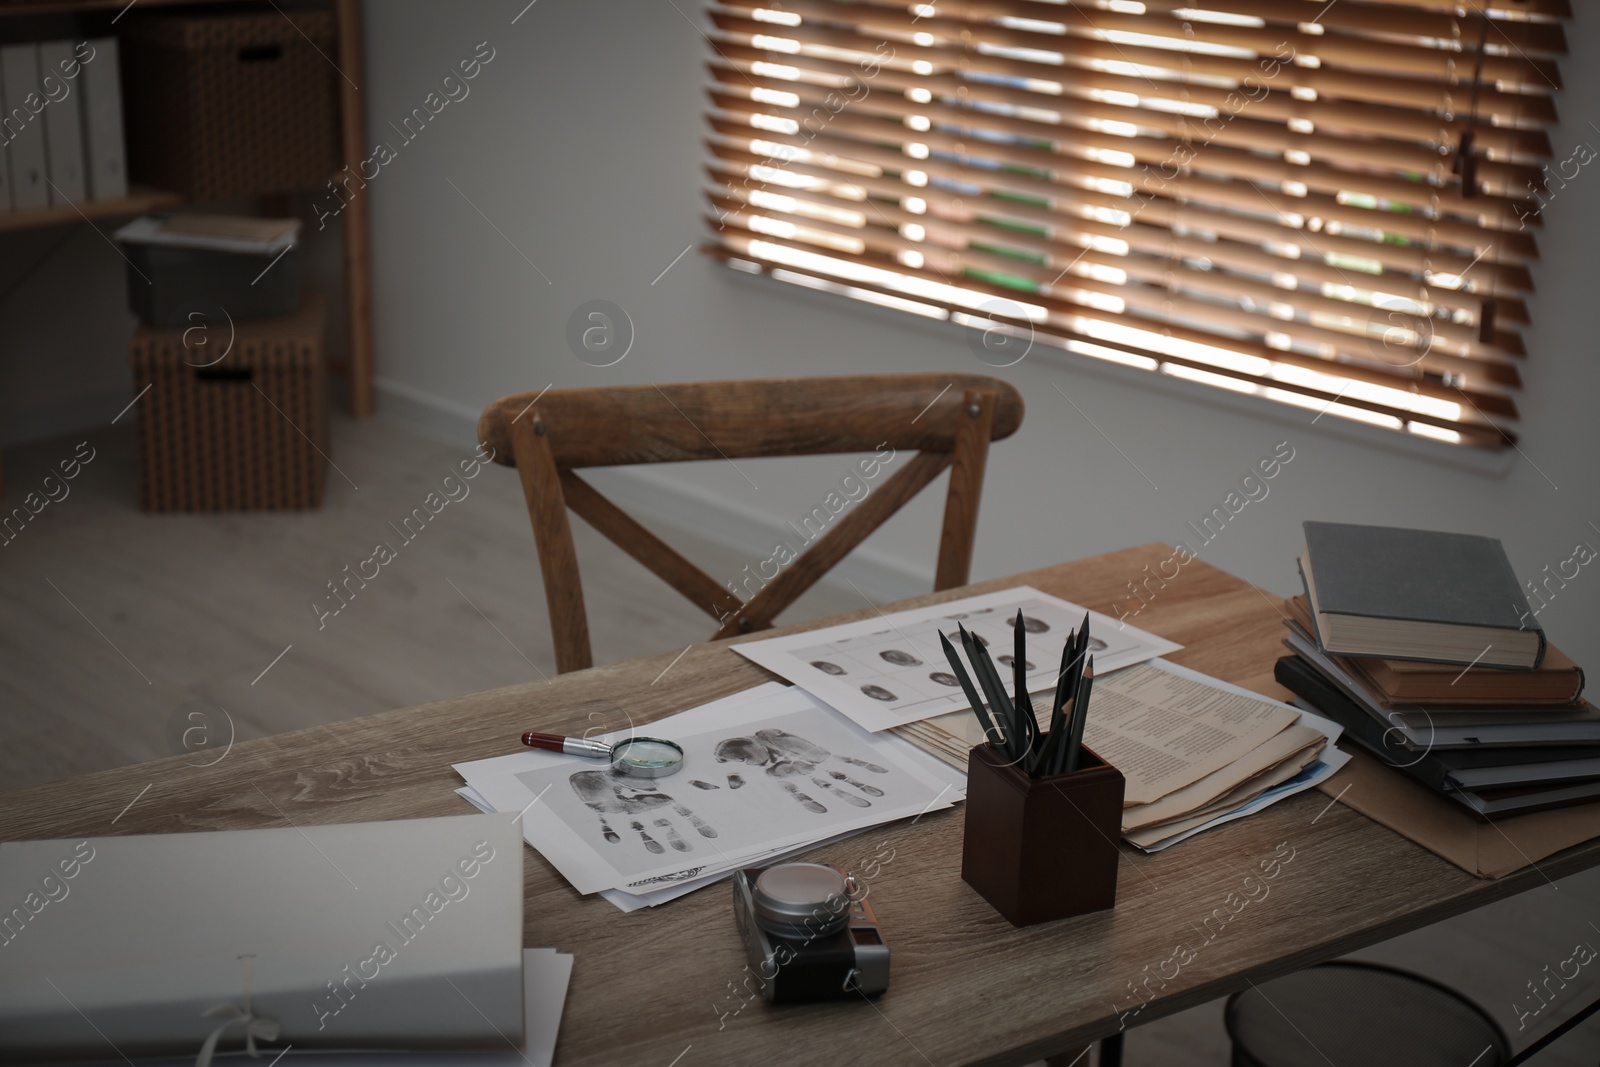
(611, 792)
(786, 756)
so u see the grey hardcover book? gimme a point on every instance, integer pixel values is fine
(1418, 594)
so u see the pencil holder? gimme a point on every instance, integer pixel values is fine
(1042, 848)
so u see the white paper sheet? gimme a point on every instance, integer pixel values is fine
(546, 974)
(890, 670)
(955, 781)
(766, 771)
(629, 902)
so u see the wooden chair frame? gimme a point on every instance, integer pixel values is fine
(946, 420)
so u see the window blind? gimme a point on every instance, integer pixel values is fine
(1331, 205)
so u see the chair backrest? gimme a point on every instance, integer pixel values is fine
(946, 420)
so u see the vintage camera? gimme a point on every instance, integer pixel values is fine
(809, 932)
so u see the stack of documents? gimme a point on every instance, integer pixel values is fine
(1195, 752)
(767, 773)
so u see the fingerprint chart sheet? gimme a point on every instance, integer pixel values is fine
(890, 670)
(765, 772)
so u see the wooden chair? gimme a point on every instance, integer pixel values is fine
(946, 420)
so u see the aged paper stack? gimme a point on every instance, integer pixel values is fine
(1195, 751)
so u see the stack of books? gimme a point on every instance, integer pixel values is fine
(1421, 645)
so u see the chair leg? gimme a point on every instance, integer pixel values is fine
(558, 559)
(1110, 1055)
(968, 458)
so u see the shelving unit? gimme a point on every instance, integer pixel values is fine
(137, 202)
(356, 365)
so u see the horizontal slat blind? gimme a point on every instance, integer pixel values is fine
(1269, 196)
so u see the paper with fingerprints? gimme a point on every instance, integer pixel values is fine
(742, 790)
(889, 670)
(767, 770)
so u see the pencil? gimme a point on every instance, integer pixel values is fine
(989, 681)
(1058, 718)
(1019, 685)
(978, 707)
(1080, 716)
(1074, 687)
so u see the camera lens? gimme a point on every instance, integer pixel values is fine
(800, 901)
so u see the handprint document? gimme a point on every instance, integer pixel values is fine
(771, 771)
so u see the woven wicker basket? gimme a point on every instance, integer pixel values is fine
(231, 105)
(246, 432)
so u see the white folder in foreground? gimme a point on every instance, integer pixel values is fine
(386, 935)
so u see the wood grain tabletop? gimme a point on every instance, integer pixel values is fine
(1303, 881)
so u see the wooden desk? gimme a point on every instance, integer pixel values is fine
(966, 987)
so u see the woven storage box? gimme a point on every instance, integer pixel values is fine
(231, 105)
(241, 434)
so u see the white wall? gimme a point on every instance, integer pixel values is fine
(581, 142)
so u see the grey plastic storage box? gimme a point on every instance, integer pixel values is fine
(172, 275)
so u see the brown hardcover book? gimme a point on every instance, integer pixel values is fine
(1400, 683)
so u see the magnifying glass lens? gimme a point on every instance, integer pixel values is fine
(645, 753)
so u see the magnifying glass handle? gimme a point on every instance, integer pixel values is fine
(572, 746)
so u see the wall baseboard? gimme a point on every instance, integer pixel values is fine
(686, 508)
(88, 411)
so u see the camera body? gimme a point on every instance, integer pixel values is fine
(808, 937)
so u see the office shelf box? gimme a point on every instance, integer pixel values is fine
(241, 431)
(225, 105)
(166, 285)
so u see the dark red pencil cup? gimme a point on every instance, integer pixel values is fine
(1042, 848)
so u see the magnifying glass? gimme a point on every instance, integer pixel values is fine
(640, 757)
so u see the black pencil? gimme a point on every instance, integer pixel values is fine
(989, 730)
(989, 681)
(1074, 687)
(1058, 718)
(1019, 685)
(1080, 716)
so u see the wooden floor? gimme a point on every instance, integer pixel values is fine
(112, 620)
(116, 625)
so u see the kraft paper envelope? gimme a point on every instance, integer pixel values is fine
(363, 935)
(1513, 842)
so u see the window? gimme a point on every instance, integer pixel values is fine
(1331, 205)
